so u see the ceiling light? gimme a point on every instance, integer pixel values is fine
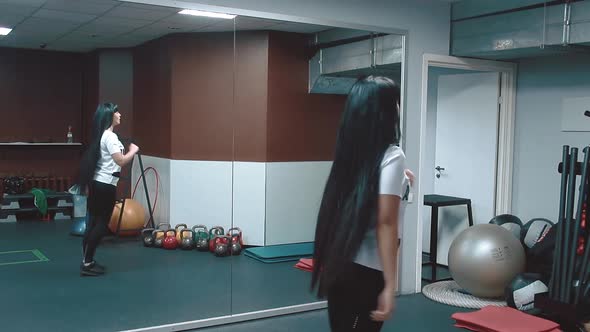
(4, 31)
(206, 14)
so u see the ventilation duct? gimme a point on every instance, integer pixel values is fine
(336, 64)
(544, 30)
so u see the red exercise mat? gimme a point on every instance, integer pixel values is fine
(305, 264)
(503, 319)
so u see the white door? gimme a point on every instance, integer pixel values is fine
(465, 150)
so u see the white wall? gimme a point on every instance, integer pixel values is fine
(201, 193)
(427, 24)
(542, 84)
(293, 195)
(249, 201)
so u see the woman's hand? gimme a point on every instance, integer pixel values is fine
(133, 148)
(385, 305)
(410, 176)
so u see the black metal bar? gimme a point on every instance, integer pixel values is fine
(584, 269)
(120, 217)
(147, 195)
(571, 192)
(554, 289)
(581, 199)
(434, 240)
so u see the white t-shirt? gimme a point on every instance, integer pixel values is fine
(106, 166)
(393, 181)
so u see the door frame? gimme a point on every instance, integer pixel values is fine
(505, 147)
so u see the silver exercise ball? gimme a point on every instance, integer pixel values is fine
(484, 258)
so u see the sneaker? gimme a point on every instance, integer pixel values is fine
(100, 268)
(92, 269)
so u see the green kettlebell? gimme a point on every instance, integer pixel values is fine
(201, 237)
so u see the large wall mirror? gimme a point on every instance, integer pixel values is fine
(292, 80)
(236, 119)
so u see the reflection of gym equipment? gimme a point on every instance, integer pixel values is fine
(569, 286)
(485, 258)
(436, 201)
(130, 212)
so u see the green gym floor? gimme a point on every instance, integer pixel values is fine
(148, 287)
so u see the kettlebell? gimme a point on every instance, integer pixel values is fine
(213, 234)
(158, 236)
(201, 237)
(148, 237)
(179, 229)
(237, 243)
(170, 241)
(222, 246)
(186, 239)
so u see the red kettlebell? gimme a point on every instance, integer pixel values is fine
(213, 234)
(170, 241)
(237, 242)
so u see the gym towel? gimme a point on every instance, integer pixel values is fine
(503, 319)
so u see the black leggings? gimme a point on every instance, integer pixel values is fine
(101, 201)
(352, 298)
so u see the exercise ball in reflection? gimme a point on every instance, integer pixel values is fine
(483, 259)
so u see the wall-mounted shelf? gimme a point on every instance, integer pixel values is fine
(39, 144)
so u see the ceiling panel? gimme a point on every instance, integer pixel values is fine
(63, 16)
(170, 10)
(81, 6)
(9, 21)
(33, 3)
(112, 26)
(11, 9)
(137, 13)
(83, 25)
(42, 25)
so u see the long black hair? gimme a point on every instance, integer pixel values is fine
(103, 119)
(369, 125)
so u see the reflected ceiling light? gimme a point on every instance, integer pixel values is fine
(4, 31)
(206, 14)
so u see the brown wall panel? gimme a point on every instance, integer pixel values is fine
(250, 111)
(42, 92)
(301, 126)
(152, 98)
(116, 86)
(202, 96)
(91, 82)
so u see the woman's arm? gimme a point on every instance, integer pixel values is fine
(124, 159)
(387, 241)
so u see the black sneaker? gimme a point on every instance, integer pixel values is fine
(100, 267)
(92, 269)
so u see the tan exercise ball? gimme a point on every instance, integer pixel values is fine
(483, 259)
(133, 217)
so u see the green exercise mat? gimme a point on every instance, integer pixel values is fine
(274, 260)
(281, 251)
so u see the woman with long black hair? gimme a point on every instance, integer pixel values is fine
(361, 213)
(99, 174)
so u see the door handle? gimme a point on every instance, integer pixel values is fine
(438, 170)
